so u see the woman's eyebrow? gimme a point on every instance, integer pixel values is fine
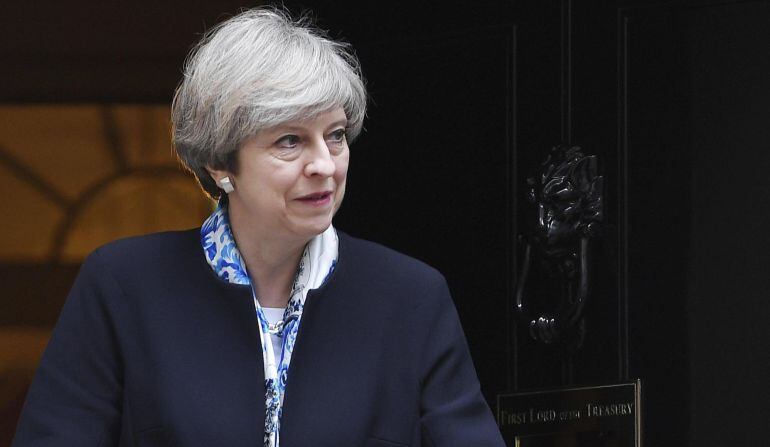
(342, 122)
(293, 128)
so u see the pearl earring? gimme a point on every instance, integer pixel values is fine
(226, 185)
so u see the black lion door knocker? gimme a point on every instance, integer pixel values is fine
(568, 197)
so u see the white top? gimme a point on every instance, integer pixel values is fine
(274, 315)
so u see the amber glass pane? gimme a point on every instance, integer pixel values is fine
(132, 206)
(77, 176)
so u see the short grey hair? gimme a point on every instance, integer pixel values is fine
(253, 71)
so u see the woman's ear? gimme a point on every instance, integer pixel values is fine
(222, 178)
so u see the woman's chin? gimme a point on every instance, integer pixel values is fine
(311, 228)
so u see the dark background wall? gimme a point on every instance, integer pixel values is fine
(729, 254)
(466, 102)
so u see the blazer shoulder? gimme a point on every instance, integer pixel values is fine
(149, 248)
(367, 256)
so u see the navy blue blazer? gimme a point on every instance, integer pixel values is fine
(153, 349)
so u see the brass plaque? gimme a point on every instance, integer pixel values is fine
(597, 416)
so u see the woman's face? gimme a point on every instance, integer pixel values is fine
(291, 178)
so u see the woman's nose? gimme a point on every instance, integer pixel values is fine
(320, 162)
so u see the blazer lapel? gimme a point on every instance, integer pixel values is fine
(319, 408)
(249, 373)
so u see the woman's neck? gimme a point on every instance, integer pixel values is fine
(271, 263)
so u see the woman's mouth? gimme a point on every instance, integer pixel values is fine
(320, 198)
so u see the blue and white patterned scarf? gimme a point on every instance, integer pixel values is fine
(316, 265)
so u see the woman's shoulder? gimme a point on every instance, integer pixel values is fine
(391, 281)
(148, 248)
(371, 257)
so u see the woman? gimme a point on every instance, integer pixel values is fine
(266, 326)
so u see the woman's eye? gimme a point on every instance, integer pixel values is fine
(287, 142)
(338, 136)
